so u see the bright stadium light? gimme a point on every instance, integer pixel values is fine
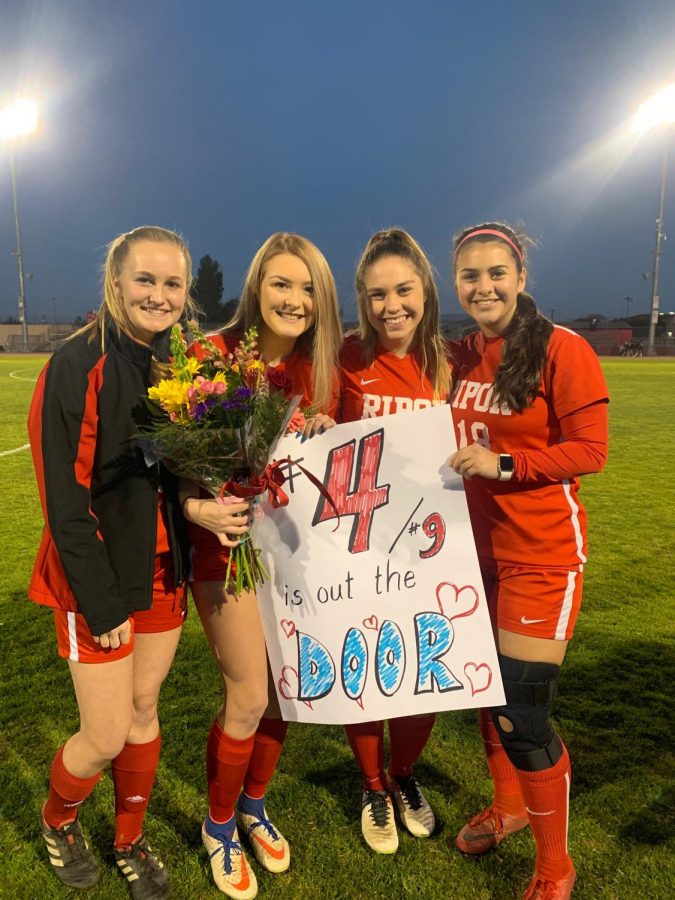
(657, 112)
(18, 120)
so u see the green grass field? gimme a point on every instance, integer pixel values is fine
(615, 710)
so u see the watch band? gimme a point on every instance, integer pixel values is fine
(505, 467)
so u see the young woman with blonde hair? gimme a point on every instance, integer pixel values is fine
(396, 362)
(289, 295)
(113, 555)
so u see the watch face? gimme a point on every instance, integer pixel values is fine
(506, 463)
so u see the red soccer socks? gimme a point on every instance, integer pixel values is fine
(267, 747)
(408, 736)
(133, 772)
(66, 792)
(546, 796)
(227, 760)
(367, 742)
(507, 796)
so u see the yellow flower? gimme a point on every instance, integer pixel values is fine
(188, 370)
(172, 397)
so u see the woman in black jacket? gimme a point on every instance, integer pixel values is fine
(112, 560)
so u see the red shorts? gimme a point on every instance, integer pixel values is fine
(208, 557)
(168, 611)
(542, 603)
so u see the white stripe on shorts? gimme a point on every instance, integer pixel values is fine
(576, 526)
(564, 618)
(73, 652)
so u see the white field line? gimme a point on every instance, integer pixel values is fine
(17, 374)
(15, 450)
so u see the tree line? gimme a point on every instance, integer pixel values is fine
(207, 290)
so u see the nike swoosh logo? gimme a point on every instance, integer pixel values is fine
(526, 621)
(364, 381)
(531, 812)
(277, 854)
(245, 879)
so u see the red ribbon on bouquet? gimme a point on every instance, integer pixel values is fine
(271, 480)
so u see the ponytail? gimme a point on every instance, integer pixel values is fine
(523, 356)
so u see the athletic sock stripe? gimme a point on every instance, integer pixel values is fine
(73, 652)
(566, 609)
(567, 805)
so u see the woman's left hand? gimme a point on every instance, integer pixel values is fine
(317, 425)
(475, 460)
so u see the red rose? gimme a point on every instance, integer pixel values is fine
(278, 379)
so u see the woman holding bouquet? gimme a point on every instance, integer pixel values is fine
(396, 362)
(113, 555)
(289, 295)
(531, 417)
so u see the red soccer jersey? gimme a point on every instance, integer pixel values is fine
(390, 384)
(297, 367)
(536, 518)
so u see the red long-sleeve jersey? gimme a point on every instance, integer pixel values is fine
(536, 518)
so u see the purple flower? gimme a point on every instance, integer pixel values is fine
(243, 392)
(231, 405)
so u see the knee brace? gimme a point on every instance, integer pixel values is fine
(529, 688)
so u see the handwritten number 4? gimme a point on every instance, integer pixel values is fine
(367, 495)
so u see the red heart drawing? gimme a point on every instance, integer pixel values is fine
(288, 627)
(371, 622)
(463, 605)
(288, 685)
(479, 681)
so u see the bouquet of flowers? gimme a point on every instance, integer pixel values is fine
(216, 421)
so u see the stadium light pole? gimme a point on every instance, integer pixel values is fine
(18, 120)
(657, 112)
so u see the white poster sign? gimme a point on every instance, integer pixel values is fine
(380, 613)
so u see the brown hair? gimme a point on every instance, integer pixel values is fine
(527, 336)
(427, 341)
(322, 342)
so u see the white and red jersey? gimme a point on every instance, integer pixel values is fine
(536, 518)
(388, 385)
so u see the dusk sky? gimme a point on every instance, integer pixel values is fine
(230, 119)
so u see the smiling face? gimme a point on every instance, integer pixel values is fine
(286, 300)
(488, 282)
(152, 286)
(395, 296)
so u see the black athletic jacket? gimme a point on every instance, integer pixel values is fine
(99, 497)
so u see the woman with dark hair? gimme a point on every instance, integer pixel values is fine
(530, 411)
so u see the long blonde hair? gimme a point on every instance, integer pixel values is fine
(428, 340)
(322, 342)
(112, 311)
